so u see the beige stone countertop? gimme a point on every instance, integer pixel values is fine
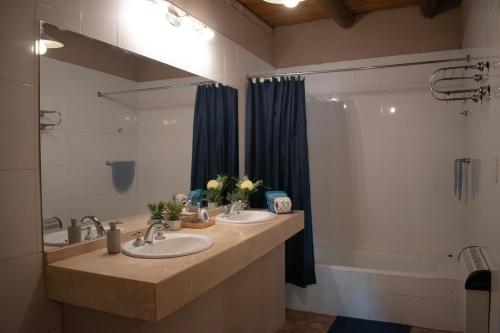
(151, 289)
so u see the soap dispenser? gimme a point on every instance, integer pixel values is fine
(74, 232)
(114, 238)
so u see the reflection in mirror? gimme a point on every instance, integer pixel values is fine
(116, 133)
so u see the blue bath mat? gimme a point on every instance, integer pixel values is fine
(352, 325)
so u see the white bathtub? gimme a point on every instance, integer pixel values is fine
(417, 290)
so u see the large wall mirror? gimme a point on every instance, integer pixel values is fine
(116, 132)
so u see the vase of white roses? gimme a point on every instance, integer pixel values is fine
(243, 189)
(215, 191)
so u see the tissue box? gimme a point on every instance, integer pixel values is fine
(270, 196)
(282, 205)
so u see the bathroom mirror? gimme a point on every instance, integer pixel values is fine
(116, 133)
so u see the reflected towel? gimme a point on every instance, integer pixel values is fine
(123, 174)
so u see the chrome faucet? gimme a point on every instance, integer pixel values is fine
(98, 225)
(154, 227)
(236, 207)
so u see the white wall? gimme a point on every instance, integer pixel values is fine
(382, 180)
(153, 128)
(75, 178)
(19, 148)
(140, 27)
(165, 133)
(482, 137)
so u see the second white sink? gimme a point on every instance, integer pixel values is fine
(174, 245)
(247, 216)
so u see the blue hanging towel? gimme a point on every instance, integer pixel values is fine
(123, 173)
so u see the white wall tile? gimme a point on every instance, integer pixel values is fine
(447, 315)
(324, 299)
(417, 311)
(65, 14)
(297, 298)
(17, 35)
(25, 308)
(19, 126)
(329, 276)
(421, 287)
(385, 307)
(355, 303)
(18, 214)
(447, 289)
(356, 280)
(100, 20)
(385, 283)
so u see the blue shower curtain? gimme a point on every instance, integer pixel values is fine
(277, 153)
(215, 134)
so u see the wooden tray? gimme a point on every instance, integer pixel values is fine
(197, 225)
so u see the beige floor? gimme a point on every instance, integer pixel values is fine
(307, 322)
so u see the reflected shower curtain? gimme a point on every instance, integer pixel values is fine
(215, 134)
(277, 153)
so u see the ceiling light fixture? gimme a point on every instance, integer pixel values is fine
(48, 41)
(286, 3)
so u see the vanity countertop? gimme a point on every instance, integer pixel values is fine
(151, 289)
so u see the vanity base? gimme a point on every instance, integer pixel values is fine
(252, 300)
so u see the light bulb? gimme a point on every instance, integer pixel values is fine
(208, 33)
(291, 3)
(40, 48)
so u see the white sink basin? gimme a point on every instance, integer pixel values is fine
(174, 245)
(60, 238)
(247, 216)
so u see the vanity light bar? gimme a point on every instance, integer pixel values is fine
(179, 18)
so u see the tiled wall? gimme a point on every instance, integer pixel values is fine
(165, 132)
(482, 137)
(75, 178)
(381, 157)
(390, 297)
(152, 128)
(21, 259)
(24, 307)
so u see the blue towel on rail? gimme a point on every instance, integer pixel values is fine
(123, 173)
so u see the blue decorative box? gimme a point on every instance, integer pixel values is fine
(196, 196)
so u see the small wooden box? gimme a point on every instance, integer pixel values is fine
(192, 221)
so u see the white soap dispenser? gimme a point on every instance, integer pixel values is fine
(114, 238)
(74, 232)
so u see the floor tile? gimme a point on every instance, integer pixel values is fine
(310, 322)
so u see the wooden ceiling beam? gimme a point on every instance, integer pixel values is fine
(431, 8)
(338, 10)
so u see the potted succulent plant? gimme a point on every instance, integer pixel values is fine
(173, 211)
(156, 211)
(215, 191)
(243, 189)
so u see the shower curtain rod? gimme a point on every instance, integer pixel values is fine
(182, 85)
(352, 69)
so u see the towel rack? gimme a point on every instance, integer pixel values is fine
(110, 163)
(473, 94)
(50, 125)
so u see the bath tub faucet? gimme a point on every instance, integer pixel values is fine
(154, 227)
(98, 225)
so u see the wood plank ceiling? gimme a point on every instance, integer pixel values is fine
(344, 12)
